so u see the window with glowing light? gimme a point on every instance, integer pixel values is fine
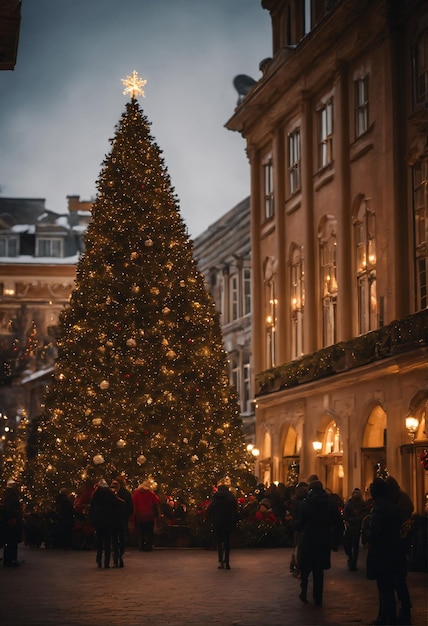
(270, 310)
(364, 228)
(329, 288)
(297, 293)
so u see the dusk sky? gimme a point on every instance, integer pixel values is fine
(60, 105)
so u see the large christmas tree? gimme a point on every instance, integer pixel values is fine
(141, 384)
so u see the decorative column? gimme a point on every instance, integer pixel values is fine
(344, 242)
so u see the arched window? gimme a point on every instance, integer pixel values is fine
(297, 294)
(270, 310)
(365, 258)
(329, 289)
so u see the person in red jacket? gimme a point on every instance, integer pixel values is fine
(146, 509)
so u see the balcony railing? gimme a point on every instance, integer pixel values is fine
(400, 336)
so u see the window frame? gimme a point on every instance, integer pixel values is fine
(7, 240)
(50, 242)
(361, 106)
(268, 188)
(325, 134)
(294, 161)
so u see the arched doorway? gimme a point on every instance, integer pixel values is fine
(330, 455)
(290, 458)
(265, 463)
(373, 452)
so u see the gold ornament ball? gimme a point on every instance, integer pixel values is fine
(98, 459)
(104, 384)
(148, 243)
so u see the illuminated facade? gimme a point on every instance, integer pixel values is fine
(336, 132)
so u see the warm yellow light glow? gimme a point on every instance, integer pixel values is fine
(317, 445)
(255, 452)
(133, 85)
(411, 423)
(250, 447)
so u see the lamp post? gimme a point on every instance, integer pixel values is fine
(412, 424)
(317, 445)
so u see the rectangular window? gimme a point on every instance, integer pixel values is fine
(421, 69)
(361, 106)
(236, 379)
(325, 135)
(49, 247)
(234, 298)
(268, 189)
(9, 246)
(247, 388)
(247, 291)
(294, 160)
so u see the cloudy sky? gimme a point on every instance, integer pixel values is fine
(60, 105)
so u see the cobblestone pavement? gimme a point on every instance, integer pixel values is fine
(183, 587)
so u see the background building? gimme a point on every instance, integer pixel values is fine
(38, 252)
(336, 133)
(224, 257)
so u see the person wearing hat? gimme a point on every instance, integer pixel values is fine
(222, 511)
(146, 510)
(265, 513)
(320, 525)
(11, 510)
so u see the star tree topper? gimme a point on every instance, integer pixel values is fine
(133, 85)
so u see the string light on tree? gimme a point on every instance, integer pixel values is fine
(140, 348)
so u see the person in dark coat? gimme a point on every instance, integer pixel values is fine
(353, 513)
(384, 550)
(64, 510)
(300, 494)
(104, 515)
(12, 521)
(126, 510)
(222, 511)
(321, 526)
(405, 508)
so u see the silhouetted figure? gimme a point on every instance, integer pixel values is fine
(222, 511)
(353, 513)
(104, 512)
(321, 526)
(11, 512)
(384, 550)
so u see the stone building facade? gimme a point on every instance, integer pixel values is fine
(223, 254)
(39, 249)
(336, 133)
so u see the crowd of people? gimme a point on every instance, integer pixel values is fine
(319, 520)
